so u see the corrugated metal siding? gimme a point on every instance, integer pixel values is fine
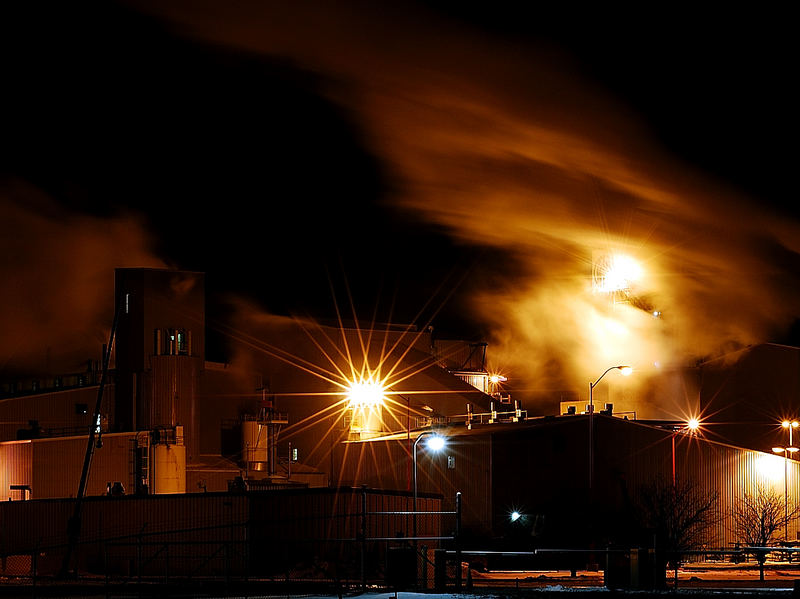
(25, 525)
(169, 397)
(728, 471)
(57, 465)
(285, 528)
(54, 410)
(15, 468)
(326, 523)
(471, 475)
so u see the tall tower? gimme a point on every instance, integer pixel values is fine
(160, 350)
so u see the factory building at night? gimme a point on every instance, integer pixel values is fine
(282, 417)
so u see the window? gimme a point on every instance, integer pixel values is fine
(182, 342)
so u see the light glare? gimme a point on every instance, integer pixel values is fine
(436, 443)
(620, 272)
(365, 394)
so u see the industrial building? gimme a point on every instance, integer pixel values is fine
(288, 417)
(172, 422)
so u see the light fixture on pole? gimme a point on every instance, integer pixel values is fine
(626, 371)
(785, 451)
(435, 443)
(790, 425)
(690, 428)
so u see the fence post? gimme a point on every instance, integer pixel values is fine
(35, 556)
(227, 565)
(139, 559)
(247, 551)
(458, 541)
(363, 535)
(439, 569)
(424, 577)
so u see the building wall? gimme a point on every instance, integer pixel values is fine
(464, 466)
(153, 302)
(15, 468)
(56, 411)
(540, 469)
(52, 467)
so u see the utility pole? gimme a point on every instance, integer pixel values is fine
(74, 523)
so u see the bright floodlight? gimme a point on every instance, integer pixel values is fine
(497, 378)
(693, 424)
(436, 442)
(515, 516)
(618, 273)
(365, 394)
(625, 370)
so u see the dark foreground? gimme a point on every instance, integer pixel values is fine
(694, 580)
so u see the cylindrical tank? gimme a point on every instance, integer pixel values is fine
(168, 468)
(254, 444)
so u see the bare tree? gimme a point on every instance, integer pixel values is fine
(680, 515)
(757, 518)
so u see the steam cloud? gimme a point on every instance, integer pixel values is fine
(58, 276)
(507, 150)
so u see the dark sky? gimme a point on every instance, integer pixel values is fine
(244, 167)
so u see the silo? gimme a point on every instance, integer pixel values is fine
(168, 463)
(254, 444)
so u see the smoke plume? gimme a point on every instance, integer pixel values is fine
(58, 278)
(502, 145)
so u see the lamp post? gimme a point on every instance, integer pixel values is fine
(785, 451)
(691, 428)
(789, 425)
(625, 370)
(435, 443)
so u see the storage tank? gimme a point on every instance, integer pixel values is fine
(168, 468)
(254, 445)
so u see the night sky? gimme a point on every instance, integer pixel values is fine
(271, 151)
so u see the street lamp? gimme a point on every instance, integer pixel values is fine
(785, 451)
(626, 371)
(435, 443)
(789, 425)
(691, 427)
